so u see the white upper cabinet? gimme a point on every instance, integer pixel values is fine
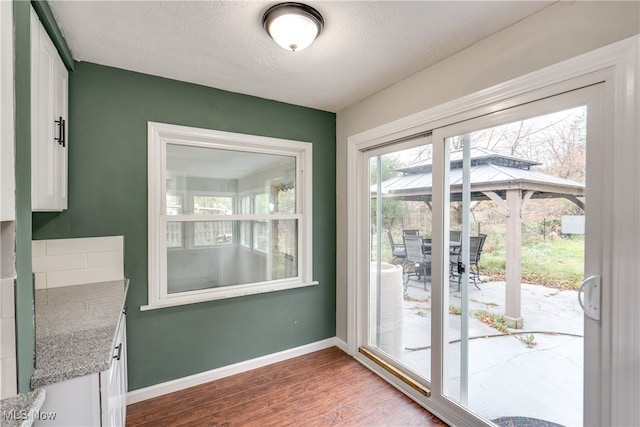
(49, 112)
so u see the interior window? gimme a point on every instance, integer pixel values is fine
(230, 214)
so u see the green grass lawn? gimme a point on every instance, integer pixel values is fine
(557, 263)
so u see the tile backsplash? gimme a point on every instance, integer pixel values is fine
(68, 262)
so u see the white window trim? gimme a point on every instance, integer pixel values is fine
(159, 134)
(191, 244)
(241, 242)
(255, 234)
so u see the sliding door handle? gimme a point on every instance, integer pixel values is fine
(590, 288)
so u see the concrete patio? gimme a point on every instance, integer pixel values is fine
(507, 377)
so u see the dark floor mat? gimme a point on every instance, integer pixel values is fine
(523, 422)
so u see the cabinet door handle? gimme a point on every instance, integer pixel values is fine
(61, 131)
(119, 349)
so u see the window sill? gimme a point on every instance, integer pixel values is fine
(223, 293)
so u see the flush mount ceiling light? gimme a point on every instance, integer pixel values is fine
(293, 26)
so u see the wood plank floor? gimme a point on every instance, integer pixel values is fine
(324, 388)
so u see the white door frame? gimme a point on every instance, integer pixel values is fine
(618, 65)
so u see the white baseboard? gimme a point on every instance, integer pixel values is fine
(342, 345)
(181, 383)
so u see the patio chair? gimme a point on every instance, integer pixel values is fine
(417, 260)
(454, 246)
(476, 246)
(397, 250)
(456, 268)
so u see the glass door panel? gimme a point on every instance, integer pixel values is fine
(399, 286)
(515, 241)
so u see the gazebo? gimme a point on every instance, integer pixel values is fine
(507, 181)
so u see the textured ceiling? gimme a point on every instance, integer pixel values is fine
(365, 47)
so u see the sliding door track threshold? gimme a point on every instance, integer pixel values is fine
(396, 372)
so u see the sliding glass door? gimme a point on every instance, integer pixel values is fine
(479, 237)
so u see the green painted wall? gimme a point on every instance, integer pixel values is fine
(108, 113)
(24, 287)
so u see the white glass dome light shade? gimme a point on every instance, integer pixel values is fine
(293, 32)
(293, 26)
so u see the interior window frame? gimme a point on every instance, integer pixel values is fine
(159, 136)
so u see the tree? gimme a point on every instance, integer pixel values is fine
(556, 140)
(392, 210)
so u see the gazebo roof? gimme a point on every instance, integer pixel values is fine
(478, 156)
(490, 172)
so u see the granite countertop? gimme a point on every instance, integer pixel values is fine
(76, 330)
(21, 410)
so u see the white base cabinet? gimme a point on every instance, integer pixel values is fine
(74, 402)
(49, 113)
(93, 400)
(113, 383)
